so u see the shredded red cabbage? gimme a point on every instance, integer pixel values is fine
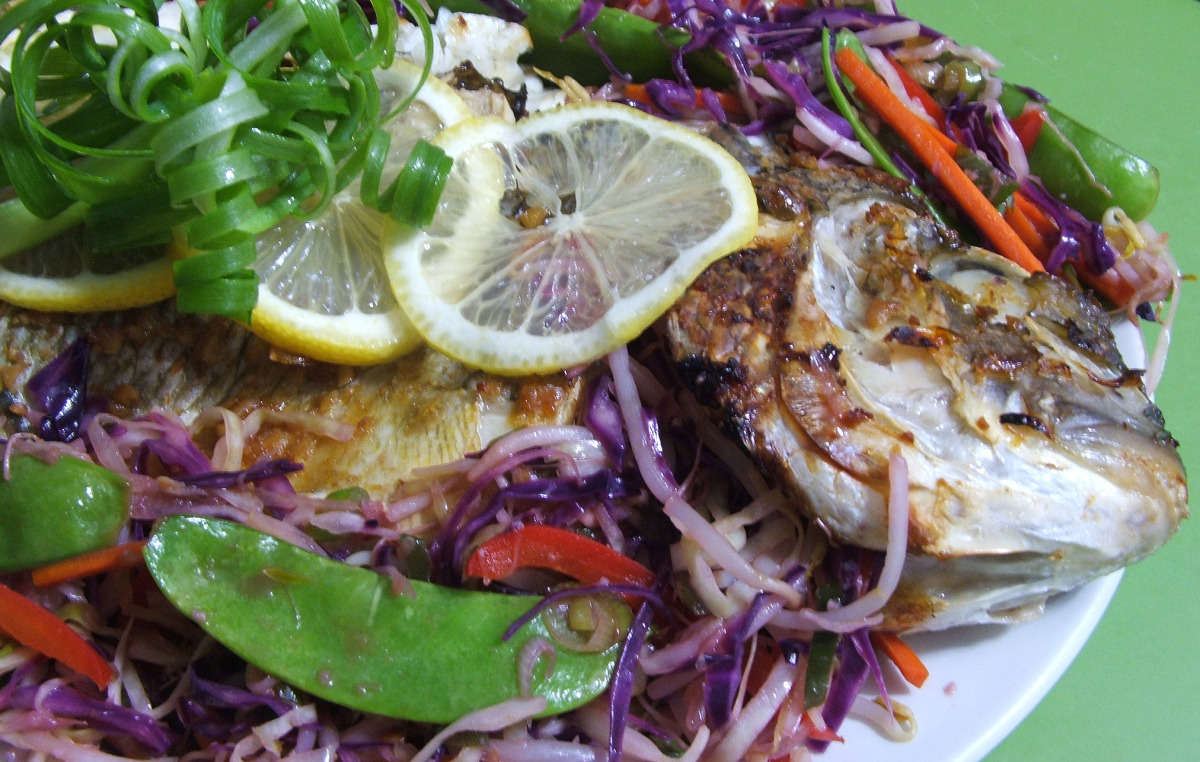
(505, 9)
(173, 448)
(796, 87)
(1080, 242)
(602, 416)
(621, 689)
(108, 718)
(267, 470)
(60, 392)
(861, 640)
(848, 681)
(216, 694)
(977, 129)
(722, 676)
(447, 551)
(588, 11)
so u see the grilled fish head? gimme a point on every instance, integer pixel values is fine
(855, 326)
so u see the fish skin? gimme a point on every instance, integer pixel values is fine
(854, 326)
(421, 410)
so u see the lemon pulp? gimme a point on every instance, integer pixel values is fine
(565, 235)
(323, 291)
(63, 275)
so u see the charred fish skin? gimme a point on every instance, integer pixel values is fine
(421, 410)
(854, 325)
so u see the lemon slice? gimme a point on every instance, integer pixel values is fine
(563, 236)
(323, 289)
(62, 275)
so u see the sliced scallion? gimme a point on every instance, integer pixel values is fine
(249, 111)
(419, 186)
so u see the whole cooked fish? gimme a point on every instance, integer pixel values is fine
(421, 410)
(854, 326)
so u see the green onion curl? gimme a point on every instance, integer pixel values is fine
(213, 129)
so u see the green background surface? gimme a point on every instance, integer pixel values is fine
(1131, 71)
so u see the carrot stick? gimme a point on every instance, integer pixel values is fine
(1037, 217)
(117, 557)
(34, 627)
(906, 660)
(921, 137)
(637, 92)
(1015, 216)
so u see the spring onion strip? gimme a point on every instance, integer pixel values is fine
(24, 229)
(240, 112)
(269, 41)
(420, 184)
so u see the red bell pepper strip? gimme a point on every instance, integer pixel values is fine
(34, 627)
(1028, 127)
(560, 550)
(919, 94)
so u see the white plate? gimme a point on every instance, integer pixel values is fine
(982, 682)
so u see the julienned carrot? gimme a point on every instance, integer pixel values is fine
(921, 137)
(1037, 217)
(1015, 216)
(906, 660)
(117, 557)
(34, 627)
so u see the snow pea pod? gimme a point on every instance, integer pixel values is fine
(339, 632)
(52, 511)
(1082, 167)
(634, 44)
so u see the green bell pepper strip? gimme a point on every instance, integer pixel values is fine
(634, 44)
(339, 632)
(52, 511)
(818, 672)
(1083, 168)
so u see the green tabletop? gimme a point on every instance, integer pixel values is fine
(1131, 71)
